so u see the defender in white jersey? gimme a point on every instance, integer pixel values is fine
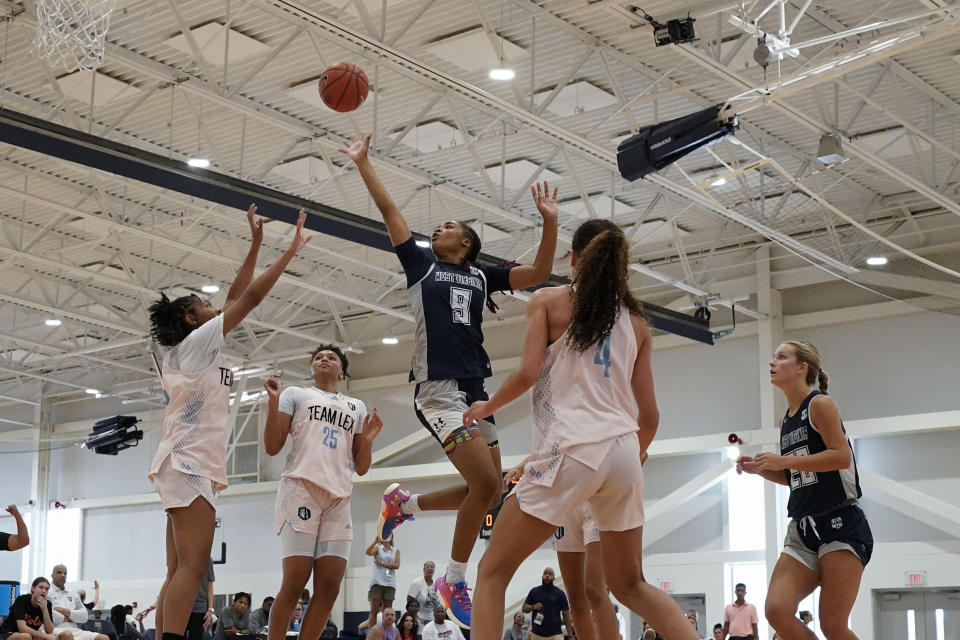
(190, 463)
(587, 355)
(331, 436)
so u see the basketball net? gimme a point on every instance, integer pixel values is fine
(71, 32)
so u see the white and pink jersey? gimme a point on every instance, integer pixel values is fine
(323, 427)
(582, 402)
(196, 388)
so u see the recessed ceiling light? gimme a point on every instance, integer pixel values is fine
(209, 288)
(93, 392)
(390, 340)
(423, 243)
(200, 163)
(719, 182)
(53, 322)
(502, 73)
(876, 261)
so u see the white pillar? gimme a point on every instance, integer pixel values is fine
(769, 335)
(40, 489)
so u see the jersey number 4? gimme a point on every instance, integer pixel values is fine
(801, 478)
(460, 303)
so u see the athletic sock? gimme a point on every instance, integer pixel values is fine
(411, 507)
(456, 572)
(172, 636)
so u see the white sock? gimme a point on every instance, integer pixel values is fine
(411, 507)
(456, 572)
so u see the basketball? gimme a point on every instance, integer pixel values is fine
(343, 86)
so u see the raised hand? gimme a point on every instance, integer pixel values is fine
(13, 510)
(299, 242)
(546, 204)
(256, 227)
(372, 424)
(272, 385)
(357, 150)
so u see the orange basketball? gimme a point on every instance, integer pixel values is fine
(343, 86)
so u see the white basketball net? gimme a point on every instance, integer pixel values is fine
(72, 32)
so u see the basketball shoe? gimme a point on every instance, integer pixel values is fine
(391, 515)
(455, 599)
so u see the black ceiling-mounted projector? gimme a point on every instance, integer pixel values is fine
(112, 435)
(659, 145)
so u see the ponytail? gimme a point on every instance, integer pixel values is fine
(822, 379)
(600, 285)
(167, 323)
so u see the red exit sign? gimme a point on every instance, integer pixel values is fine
(665, 585)
(916, 578)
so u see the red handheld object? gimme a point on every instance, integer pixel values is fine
(734, 439)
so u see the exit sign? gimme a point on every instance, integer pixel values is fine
(665, 585)
(916, 578)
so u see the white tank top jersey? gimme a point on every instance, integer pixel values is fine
(197, 409)
(582, 402)
(323, 427)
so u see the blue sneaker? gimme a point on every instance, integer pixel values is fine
(455, 599)
(391, 516)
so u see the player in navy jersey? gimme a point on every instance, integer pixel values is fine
(828, 541)
(447, 291)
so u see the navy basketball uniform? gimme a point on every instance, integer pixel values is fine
(449, 361)
(823, 506)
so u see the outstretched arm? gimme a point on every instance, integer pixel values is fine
(245, 274)
(396, 225)
(534, 350)
(22, 537)
(258, 289)
(526, 276)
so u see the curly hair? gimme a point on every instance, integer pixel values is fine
(167, 323)
(329, 347)
(600, 284)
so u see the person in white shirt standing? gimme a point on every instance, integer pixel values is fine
(68, 610)
(441, 628)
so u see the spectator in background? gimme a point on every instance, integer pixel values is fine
(68, 611)
(96, 596)
(692, 615)
(550, 608)
(296, 617)
(740, 617)
(304, 601)
(421, 591)
(516, 630)
(125, 630)
(407, 627)
(97, 614)
(385, 630)
(805, 617)
(201, 615)
(31, 616)
(383, 579)
(718, 632)
(235, 619)
(693, 623)
(413, 608)
(260, 618)
(18, 540)
(440, 628)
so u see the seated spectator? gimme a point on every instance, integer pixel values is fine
(31, 613)
(407, 627)
(125, 630)
(305, 600)
(296, 618)
(516, 630)
(413, 606)
(97, 614)
(441, 628)
(235, 619)
(260, 618)
(68, 612)
(96, 596)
